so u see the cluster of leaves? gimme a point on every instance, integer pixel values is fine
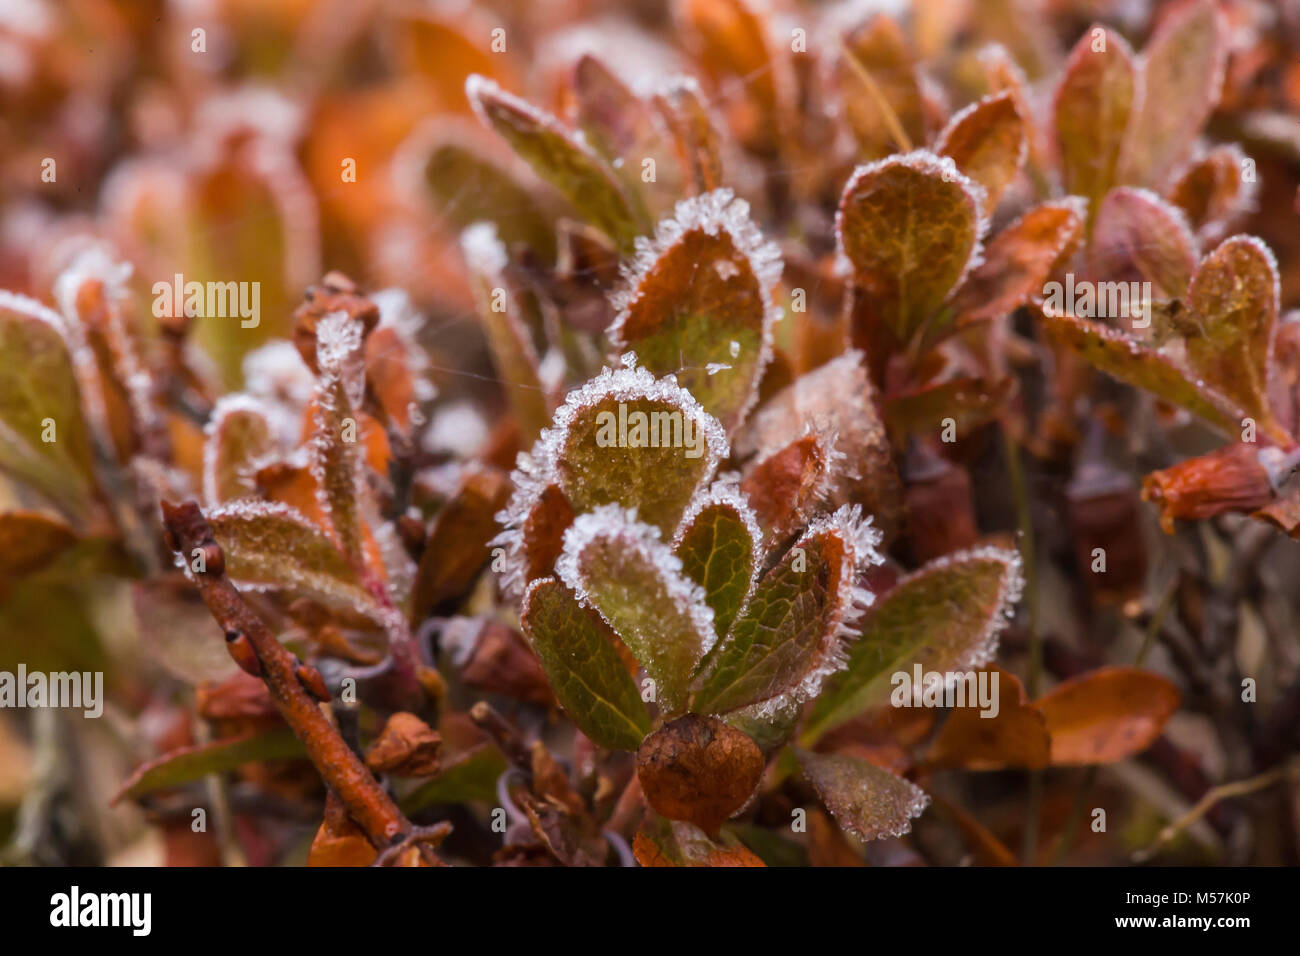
(751, 437)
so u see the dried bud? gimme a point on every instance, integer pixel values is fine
(699, 769)
(311, 679)
(241, 649)
(336, 293)
(406, 747)
(1230, 479)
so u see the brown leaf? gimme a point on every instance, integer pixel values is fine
(675, 843)
(1019, 260)
(1106, 715)
(29, 540)
(1092, 107)
(687, 116)
(1229, 479)
(785, 486)
(1138, 237)
(1213, 193)
(406, 747)
(698, 769)
(882, 94)
(339, 841)
(1016, 736)
(987, 141)
(457, 546)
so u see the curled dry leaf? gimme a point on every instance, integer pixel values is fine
(406, 747)
(1229, 479)
(1106, 715)
(699, 770)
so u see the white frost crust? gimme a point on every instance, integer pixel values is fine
(620, 525)
(234, 404)
(924, 161)
(709, 213)
(726, 493)
(276, 373)
(537, 469)
(483, 250)
(849, 603)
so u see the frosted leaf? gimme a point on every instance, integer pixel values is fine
(945, 617)
(696, 296)
(621, 567)
(238, 439)
(1213, 194)
(596, 457)
(1138, 237)
(271, 545)
(789, 486)
(836, 400)
(988, 141)
(791, 635)
(336, 461)
(912, 227)
(868, 801)
(720, 547)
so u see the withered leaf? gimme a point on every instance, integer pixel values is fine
(662, 842)
(1016, 736)
(457, 546)
(698, 769)
(865, 800)
(585, 671)
(406, 747)
(944, 617)
(1106, 715)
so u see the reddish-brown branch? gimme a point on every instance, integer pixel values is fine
(366, 801)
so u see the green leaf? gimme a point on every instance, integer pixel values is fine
(698, 304)
(585, 670)
(625, 438)
(188, 764)
(988, 142)
(1233, 309)
(788, 639)
(274, 546)
(1182, 74)
(868, 801)
(238, 434)
(40, 400)
(1129, 361)
(620, 567)
(1092, 107)
(944, 617)
(471, 778)
(719, 547)
(513, 352)
(560, 158)
(911, 227)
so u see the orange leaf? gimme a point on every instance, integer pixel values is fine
(1106, 715)
(1016, 736)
